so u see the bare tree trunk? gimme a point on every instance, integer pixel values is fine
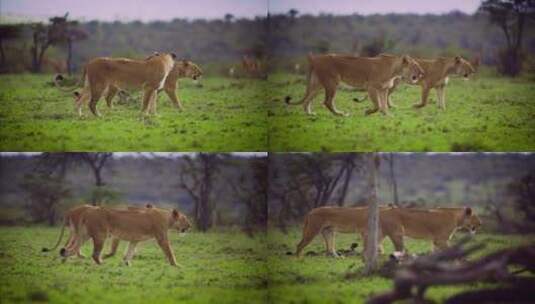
(393, 180)
(2, 54)
(69, 56)
(373, 216)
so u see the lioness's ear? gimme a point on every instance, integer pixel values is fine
(468, 211)
(185, 62)
(176, 214)
(405, 59)
(149, 205)
(173, 55)
(457, 59)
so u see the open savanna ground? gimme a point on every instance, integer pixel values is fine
(216, 267)
(487, 113)
(222, 115)
(322, 279)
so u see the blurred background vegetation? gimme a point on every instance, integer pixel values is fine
(501, 33)
(229, 190)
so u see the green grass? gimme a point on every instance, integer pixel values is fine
(223, 115)
(484, 114)
(216, 268)
(222, 267)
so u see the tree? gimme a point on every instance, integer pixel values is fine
(7, 32)
(196, 178)
(302, 182)
(511, 17)
(293, 13)
(45, 192)
(59, 162)
(229, 18)
(251, 187)
(370, 254)
(60, 30)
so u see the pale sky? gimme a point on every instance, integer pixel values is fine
(149, 10)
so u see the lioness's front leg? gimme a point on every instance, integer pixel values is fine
(372, 92)
(147, 99)
(130, 253)
(441, 96)
(382, 96)
(171, 92)
(163, 242)
(425, 95)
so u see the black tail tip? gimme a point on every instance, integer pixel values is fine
(45, 249)
(287, 99)
(62, 252)
(289, 253)
(76, 94)
(357, 100)
(59, 77)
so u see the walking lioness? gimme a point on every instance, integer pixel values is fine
(102, 73)
(436, 224)
(129, 225)
(375, 74)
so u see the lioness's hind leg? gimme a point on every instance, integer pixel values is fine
(374, 98)
(313, 88)
(113, 248)
(441, 96)
(98, 244)
(96, 93)
(112, 91)
(309, 233)
(330, 94)
(328, 236)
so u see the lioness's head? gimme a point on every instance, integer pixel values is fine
(412, 71)
(189, 69)
(463, 67)
(180, 222)
(469, 221)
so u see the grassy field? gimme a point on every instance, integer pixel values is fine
(223, 115)
(484, 114)
(219, 267)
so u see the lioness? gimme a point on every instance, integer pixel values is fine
(437, 72)
(129, 225)
(437, 224)
(101, 73)
(181, 69)
(72, 218)
(436, 75)
(376, 74)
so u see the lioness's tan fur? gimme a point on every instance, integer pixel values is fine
(436, 224)
(436, 76)
(128, 225)
(102, 73)
(375, 74)
(181, 69)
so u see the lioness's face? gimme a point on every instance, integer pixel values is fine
(412, 71)
(471, 222)
(182, 224)
(463, 67)
(189, 69)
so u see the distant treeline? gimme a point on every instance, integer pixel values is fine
(282, 38)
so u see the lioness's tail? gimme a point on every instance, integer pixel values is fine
(60, 77)
(59, 239)
(288, 98)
